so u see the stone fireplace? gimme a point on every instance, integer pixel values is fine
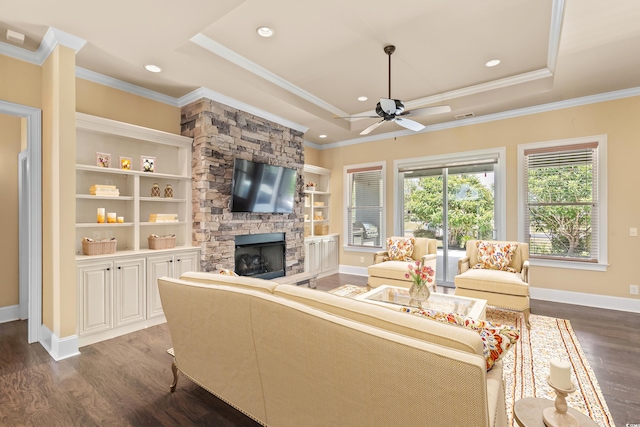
(221, 134)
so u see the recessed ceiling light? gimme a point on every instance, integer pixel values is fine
(322, 136)
(153, 68)
(265, 31)
(492, 63)
(362, 98)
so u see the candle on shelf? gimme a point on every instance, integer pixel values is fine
(120, 219)
(560, 374)
(100, 215)
(111, 217)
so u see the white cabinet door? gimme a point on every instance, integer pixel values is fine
(129, 291)
(94, 281)
(157, 266)
(329, 254)
(313, 256)
(184, 262)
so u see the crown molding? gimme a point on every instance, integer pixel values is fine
(52, 38)
(559, 105)
(234, 103)
(239, 60)
(557, 17)
(92, 76)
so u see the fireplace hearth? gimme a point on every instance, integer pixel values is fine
(260, 255)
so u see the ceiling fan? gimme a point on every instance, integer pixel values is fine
(392, 110)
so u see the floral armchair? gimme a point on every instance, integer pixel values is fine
(390, 267)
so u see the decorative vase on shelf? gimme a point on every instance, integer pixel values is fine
(168, 191)
(419, 293)
(155, 190)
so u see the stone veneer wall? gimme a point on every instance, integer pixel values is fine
(221, 134)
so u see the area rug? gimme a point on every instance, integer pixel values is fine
(527, 364)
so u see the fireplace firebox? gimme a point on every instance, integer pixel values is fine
(260, 255)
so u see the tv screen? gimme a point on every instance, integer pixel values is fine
(263, 188)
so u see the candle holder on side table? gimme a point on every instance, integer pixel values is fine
(558, 416)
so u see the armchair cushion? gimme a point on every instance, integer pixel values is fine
(390, 270)
(496, 281)
(496, 339)
(400, 248)
(495, 256)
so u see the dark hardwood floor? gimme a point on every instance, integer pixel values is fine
(125, 381)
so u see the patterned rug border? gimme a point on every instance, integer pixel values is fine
(523, 376)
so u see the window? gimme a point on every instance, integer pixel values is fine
(364, 201)
(564, 202)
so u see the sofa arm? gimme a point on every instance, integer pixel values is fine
(525, 271)
(378, 257)
(463, 264)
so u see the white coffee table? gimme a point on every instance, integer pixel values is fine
(394, 296)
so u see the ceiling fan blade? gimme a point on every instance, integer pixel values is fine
(357, 117)
(409, 124)
(438, 109)
(388, 105)
(372, 127)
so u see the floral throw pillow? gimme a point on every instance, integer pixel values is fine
(495, 256)
(400, 248)
(496, 339)
(227, 272)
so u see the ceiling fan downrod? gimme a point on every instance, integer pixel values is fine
(389, 50)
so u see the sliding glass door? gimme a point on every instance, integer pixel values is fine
(452, 204)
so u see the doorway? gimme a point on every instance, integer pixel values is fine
(452, 200)
(31, 190)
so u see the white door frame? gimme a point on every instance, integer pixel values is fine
(33, 190)
(23, 233)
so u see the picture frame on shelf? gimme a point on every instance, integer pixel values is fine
(125, 163)
(103, 160)
(147, 164)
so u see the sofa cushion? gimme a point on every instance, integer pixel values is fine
(223, 279)
(384, 318)
(496, 339)
(497, 281)
(495, 256)
(520, 255)
(400, 248)
(390, 269)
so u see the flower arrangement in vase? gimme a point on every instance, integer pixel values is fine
(421, 278)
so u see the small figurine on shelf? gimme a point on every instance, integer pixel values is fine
(155, 190)
(311, 186)
(168, 191)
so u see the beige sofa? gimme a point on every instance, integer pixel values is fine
(294, 356)
(392, 273)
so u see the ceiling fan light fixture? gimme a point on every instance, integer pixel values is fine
(492, 63)
(264, 31)
(153, 68)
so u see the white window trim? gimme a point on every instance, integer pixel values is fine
(602, 263)
(500, 182)
(383, 226)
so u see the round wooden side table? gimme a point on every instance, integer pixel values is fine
(528, 413)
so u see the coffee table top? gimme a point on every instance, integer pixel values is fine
(393, 296)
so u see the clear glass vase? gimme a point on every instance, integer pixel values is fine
(419, 293)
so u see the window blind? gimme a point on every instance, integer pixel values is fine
(561, 206)
(364, 208)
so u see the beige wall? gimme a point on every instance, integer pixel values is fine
(10, 137)
(617, 119)
(20, 82)
(311, 156)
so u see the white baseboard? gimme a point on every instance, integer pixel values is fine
(588, 300)
(58, 348)
(9, 313)
(350, 269)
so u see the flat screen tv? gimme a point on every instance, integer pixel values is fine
(262, 188)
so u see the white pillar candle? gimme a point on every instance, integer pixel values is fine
(560, 374)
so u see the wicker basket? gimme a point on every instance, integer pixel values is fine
(99, 248)
(321, 229)
(162, 242)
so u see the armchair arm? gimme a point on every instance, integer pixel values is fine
(463, 264)
(525, 271)
(429, 260)
(378, 257)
